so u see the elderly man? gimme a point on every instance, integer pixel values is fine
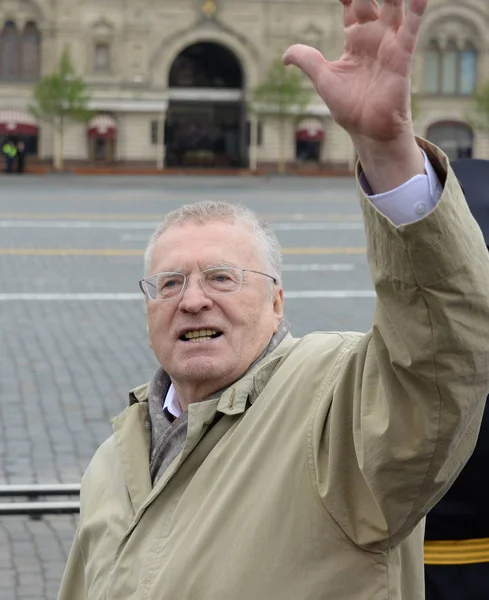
(258, 466)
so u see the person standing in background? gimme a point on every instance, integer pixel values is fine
(10, 152)
(457, 528)
(20, 157)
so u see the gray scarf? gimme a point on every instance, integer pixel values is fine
(167, 437)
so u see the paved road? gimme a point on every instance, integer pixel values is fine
(72, 328)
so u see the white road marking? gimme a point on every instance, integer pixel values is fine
(79, 224)
(118, 297)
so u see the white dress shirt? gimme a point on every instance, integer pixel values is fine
(172, 404)
(408, 203)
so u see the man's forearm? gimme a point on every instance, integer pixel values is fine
(389, 164)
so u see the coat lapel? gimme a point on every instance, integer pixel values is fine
(133, 440)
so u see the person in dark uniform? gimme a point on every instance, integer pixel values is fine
(457, 529)
(20, 156)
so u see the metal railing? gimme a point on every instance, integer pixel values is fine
(34, 506)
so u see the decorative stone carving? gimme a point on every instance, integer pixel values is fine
(209, 9)
(102, 29)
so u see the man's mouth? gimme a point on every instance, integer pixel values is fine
(200, 335)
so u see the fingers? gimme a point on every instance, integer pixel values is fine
(308, 59)
(418, 7)
(365, 10)
(408, 34)
(348, 13)
(392, 12)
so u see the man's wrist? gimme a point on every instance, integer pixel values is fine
(388, 164)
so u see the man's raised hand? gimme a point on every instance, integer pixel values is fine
(368, 89)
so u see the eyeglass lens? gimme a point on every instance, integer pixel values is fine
(222, 280)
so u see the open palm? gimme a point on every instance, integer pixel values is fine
(368, 89)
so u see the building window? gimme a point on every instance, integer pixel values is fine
(468, 72)
(154, 132)
(454, 138)
(450, 71)
(102, 57)
(259, 133)
(20, 52)
(9, 53)
(31, 63)
(431, 69)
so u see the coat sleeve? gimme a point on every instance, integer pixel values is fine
(73, 581)
(400, 414)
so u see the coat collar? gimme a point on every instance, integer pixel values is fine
(234, 399)
(132, 428)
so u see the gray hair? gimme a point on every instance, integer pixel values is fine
(205, 211)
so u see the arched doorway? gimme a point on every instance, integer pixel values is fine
(309, 137)
(454, 138)
(206, 117)
(102, 137)
(19, 126)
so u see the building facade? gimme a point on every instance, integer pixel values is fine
(171, 80)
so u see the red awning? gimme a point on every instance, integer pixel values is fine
(102, 126)
(16, 122)
(310, 130)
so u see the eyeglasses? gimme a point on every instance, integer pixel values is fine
(215, 281)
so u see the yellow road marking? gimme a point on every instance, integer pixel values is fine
(140, 252)
(159, 216)
(69, 252)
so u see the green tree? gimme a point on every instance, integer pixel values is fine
(479, 117)
(282, 96)
(59, 98)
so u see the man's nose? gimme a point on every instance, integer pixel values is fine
(194, 298)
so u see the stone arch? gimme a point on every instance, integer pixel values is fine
(171, 48)
(206, 64)
(30, 11)
(101, 28)
(471, 18)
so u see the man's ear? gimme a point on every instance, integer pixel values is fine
(150, 344)
(278, 307)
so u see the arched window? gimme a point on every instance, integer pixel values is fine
(450, 70)
(30, 54)
(101, 61)
(431, 70)
(101, 55)
(454, 138)
(468, 69)
(9, 52)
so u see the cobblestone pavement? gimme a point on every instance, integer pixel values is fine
(67, 362)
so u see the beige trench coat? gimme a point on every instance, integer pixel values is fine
(314, 483)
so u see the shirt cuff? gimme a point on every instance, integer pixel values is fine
(411, 201)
